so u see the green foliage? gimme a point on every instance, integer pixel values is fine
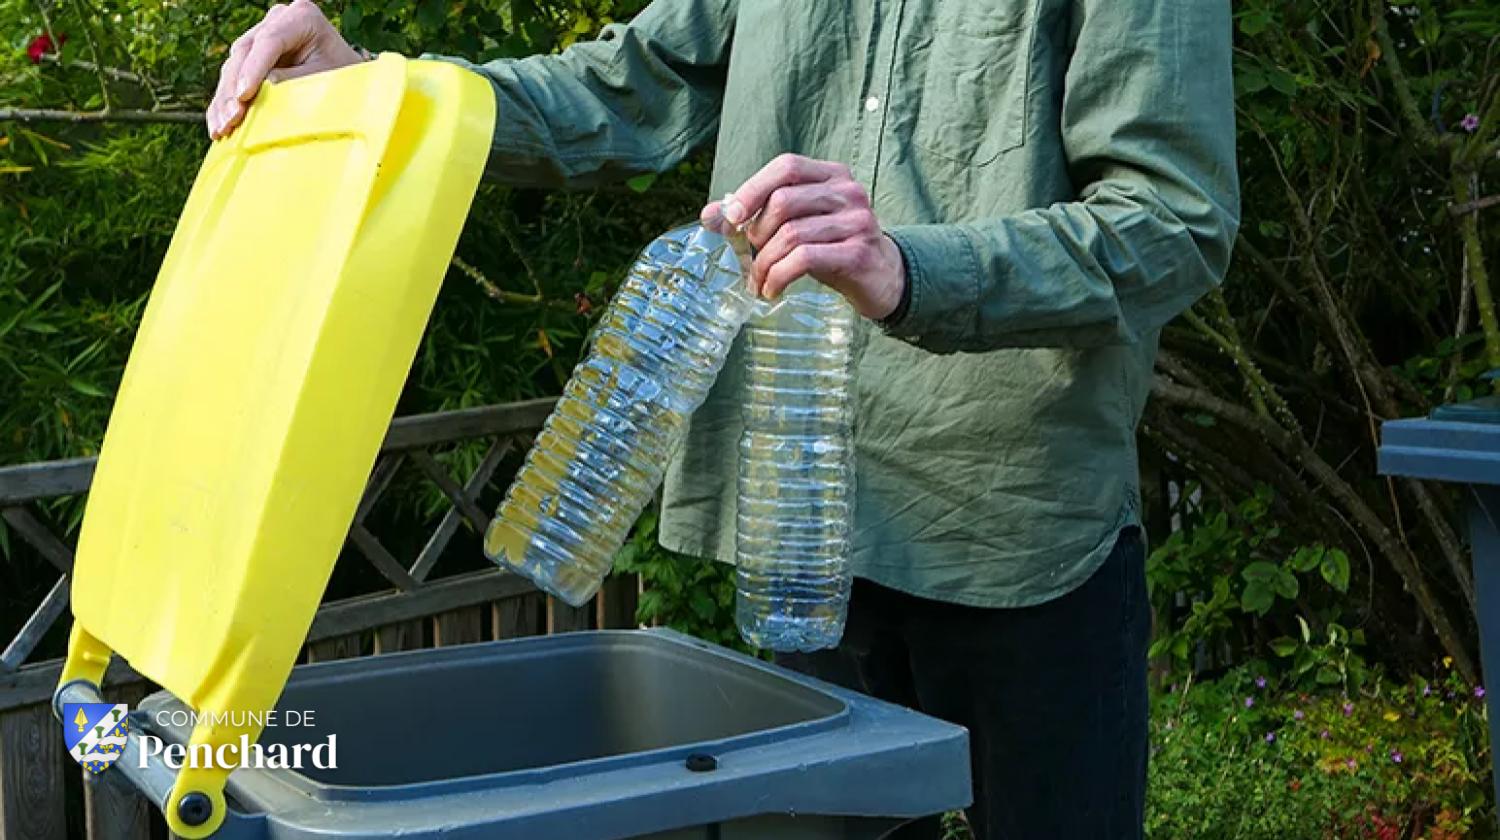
(1251, 757)
(684, 593)
(1221, 586)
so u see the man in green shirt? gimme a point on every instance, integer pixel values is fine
(1018, 194)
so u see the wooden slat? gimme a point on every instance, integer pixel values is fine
(45, 479)
(338, 647)
(31, 775)
(381, 558)
(403, 635)
(614, 606)
(370, 611)
(380, 479)
(456, 495)
(458, 627)
(46, 615)
(562, 618)
(39, 537)
(452, 517)
(423, 430)
(112, 808)
(517, 617)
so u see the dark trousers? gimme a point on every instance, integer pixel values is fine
(1053, 696)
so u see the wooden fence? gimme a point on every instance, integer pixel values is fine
(45, 796)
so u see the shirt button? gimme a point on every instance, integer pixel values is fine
(872, 104)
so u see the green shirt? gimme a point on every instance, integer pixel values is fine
(1060, 177)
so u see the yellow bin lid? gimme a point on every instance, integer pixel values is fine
(265, 373)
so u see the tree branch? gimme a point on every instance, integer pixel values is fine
(1296, 449)
(29, 115)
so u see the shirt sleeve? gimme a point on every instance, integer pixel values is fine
(636, 100)
(1148, 134)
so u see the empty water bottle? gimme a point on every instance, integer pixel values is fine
(603, 451)
(796, 473)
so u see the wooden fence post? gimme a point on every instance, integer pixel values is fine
(31, 774)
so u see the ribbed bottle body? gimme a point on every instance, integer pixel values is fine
(604, 449)
(796, 473)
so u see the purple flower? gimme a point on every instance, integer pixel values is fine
(1270, 737)
(1350, 763)
(1348, 709)
(1249, 701)
(1260, 682)
(1479, 691)
(1297, 715)
(1323, 734)
(1426, 689)
(1397, 757)
(1172, 689)
(1469, 123)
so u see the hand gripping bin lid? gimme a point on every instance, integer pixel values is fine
(266, 370)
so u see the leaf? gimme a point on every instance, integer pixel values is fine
(88, 389)
(1255, 22)
(1261, 570)
(1257, 598)
(703, 605)
(1335, 569)
(1286, 585)
(1306, 631)
(1328, 675)
(1306, 558)
(1284, 646)
(1250, 80)
(641, 183)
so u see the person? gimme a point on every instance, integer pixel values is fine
(1017, 195)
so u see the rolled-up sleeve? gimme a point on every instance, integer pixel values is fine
(637, 100)
(1148, 132)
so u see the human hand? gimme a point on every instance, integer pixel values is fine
(810, 217)
(290, 41)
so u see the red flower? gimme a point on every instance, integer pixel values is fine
(41, 45)
(585, 306)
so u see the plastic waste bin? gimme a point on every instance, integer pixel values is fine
(1460, 444)
(261, 383)
(600, 734)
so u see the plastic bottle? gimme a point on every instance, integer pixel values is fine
(604, 450)
(796, 472)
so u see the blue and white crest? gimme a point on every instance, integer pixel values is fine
(95, 733)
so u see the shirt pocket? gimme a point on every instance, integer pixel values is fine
(973, 90)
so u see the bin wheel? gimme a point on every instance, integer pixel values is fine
(195, 808)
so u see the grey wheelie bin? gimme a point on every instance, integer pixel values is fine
(599, 734)
(1460, 444)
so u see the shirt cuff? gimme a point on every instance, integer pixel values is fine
(942, 280)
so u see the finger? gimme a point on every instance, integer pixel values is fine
(711, 216)
(792, 202)
(784, 170)
(824, 261)
(228, 74)
(270, 46)
(809, 230)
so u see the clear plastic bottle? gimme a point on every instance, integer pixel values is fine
(603, 451)
(796, 472)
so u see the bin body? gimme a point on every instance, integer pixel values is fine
(1461, 445)
(587, 735)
